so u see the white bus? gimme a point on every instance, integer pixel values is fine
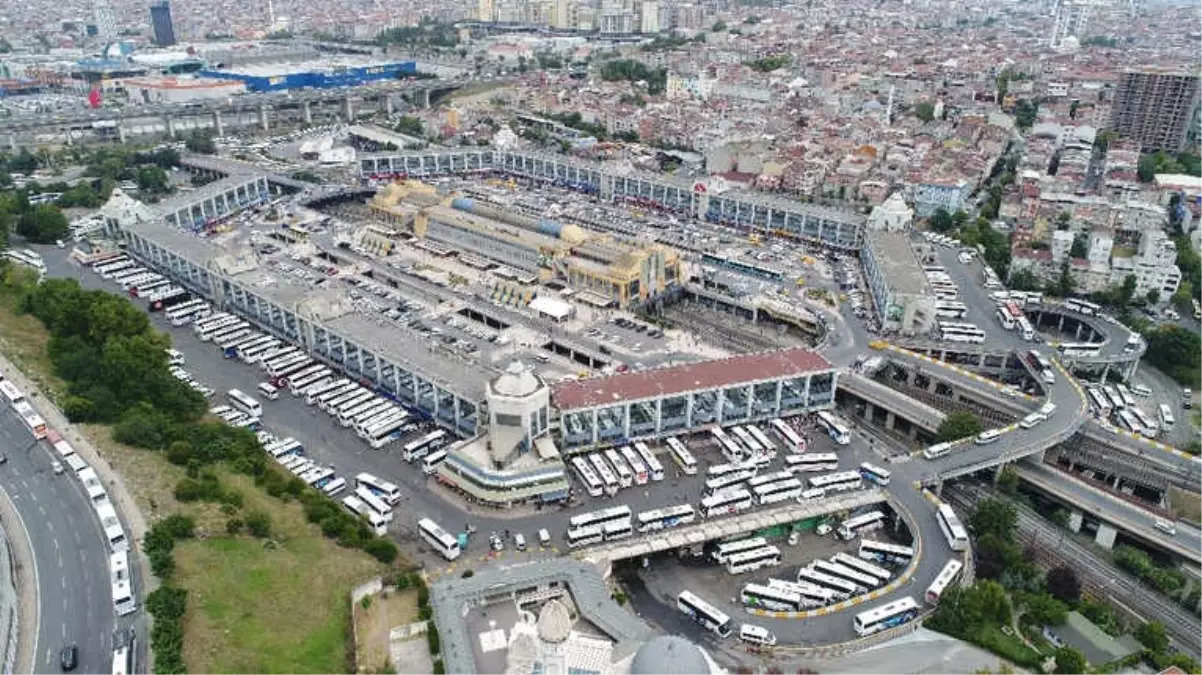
(771, 599)
(1083, 306)
(788, 436)
(211, 321)
(682, 456)
(812, 595)
(768, 478)
(837, 482)
(123, 658)
(881, 574)
(254, 353)
(281, 369)
(607, 476)
(725, 550)
(422, 446)
(936, 451)
(654, 469)
(811, 462)
(376, 409)
(123, 597)
(12, 395)
(720, 470)
(321, 398)
(228, 341)
(723, 503)
(1080, 349)
(865, 582)
(298, 381)
(953, 531)
(762, 438)
(431, 461)
(600, 518)
(1125, 394)
(750, 561)
(381, 488)
(376, 503)
(725, 481)
(893, 614)
(852, 527)
(885, 553)
(703, 613)
(625, 475)
(1166, 417)
(874, 473)
(385, 432)
(950, 309)
(222, 328)
(946, 577)
(187, 312)
(748, 440)
(33, 421)
(438, 539)
(346, 413)
(333, 404)
(592, 484)
(831, 424)
(617, 529)
(777, 492)
(333, 487)
(114, 533)
(1129, 422)
(841, 588)
(320, 387)
(276, 353)
(637, 467)
(378, 523)
(666, 518)
(1025, 329)
(585, 536)
(245, 403)
(1148, 427)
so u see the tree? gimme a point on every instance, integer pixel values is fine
(1063, 584)
(925, 111)
(1024, 280)
(1080, 248)
(43, 224)
(1070, 661)
(1044, 610)
(996, 517)
(941, 221)
(718, 26)
(1065, 284)
(1126, 292)
(411, 126)
(1008, 480)
(1025, 112)
(1175, 351)
(202, 143)
(1182, 299)
(959, 218)
(959, 424)
(1153, 296)
(1152, 635)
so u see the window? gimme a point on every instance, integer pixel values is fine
(505, 420)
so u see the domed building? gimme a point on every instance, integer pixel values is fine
(672, 655)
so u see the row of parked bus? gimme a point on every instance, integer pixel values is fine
(139, 282)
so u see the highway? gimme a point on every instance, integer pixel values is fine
(70, 555)
(1093, 567)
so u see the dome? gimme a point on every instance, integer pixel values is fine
(516, 381)
(572, 234)
(554, 622)
(669, 655)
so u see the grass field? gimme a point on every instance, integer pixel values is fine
(278, 608)
(1185, 504)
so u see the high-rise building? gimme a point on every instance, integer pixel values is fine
(106, 26)
(160, 19)
(649, 17)
(486, 10)
(1155, 107)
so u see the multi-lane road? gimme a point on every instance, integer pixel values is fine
(71, 559)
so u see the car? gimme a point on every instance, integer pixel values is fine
(68, 657)
(519, 541)
(1187, 398)
(57, 467)
(823, 530)
(1166, 526)
(544, 537)
(495, 542)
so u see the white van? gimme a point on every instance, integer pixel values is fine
(268, 391)
(174, 358)
(544, 537)
(1166, 526)
(1031, 420)
(1141, 390)
(1047, 409)
(756, 635)
(988, 436)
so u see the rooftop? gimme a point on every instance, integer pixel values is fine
(898, 263)
(634, 386)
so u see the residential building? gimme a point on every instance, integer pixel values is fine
(1155, 107)
(1154, 267)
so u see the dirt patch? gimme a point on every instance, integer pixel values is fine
(1186, 505)
(373, 624)
(23, 340)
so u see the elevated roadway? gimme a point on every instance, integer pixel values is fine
(1134, 521)
(896, 402)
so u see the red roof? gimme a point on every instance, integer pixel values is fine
(633, 386)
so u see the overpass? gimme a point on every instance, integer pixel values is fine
(721, 528)
(1113, 512)
(220, 167)
(893, 402)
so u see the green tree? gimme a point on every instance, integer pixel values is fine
(1183, 297)
(1152, 635)
(1126, 291)
(994, 516)
(1175, 350)
(1024, 280)
(1080, 248)
(925, 111)
(959, 218)
(201, 143)
(1008, 480)
(1044, 610)
(43, 224)
(1025, 112)
(941, 221)
(718, 26)
(1070, 661)
(1063, 584)
(1065, 283)
(959, 424)
(1153, 296)
(411, 126)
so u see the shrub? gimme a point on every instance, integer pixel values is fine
(467, 574)
(424, 613)
(432, 639)
(259, 524)
(438, 667)
(234, 526)
(178, 526)
(381, 549)
(423, 596)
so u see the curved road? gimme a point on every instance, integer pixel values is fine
(70, 556)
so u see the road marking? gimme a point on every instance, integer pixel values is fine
(60, 564)
(56, 543)
(64, 625)
(49, 526)
(40, 509)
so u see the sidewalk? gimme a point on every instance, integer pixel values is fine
(24, 572)
(127, 509)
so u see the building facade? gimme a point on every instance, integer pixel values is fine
(901, 294)
(1155, 108)
(160, 20)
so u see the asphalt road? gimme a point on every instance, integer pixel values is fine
(70, 555)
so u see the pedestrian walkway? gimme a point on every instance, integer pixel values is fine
(24, 573)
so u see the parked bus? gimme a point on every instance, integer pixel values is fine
(842, 588)
(703, 613)
(1148, 427)
(592, 484)
(777, 492)
(373, 408)
(618, 529)
(1166, 417)
(838, 482)
(381, 488)
(1080, 349)
(726, 502)
(953, 531)
(12, 395)
(750, 561)
(812, 462)
(853, 527)
(446, 545)
(882, 575)
(725, 481)
(607, 476)
(123, 656)
(946, 577)
(874, 473)
(666, 518)
(788, 436)
(654, 469)
(312, 391)
(422, 446)
(1098, 401)
(206, 330)
(114, 533)
(585, 536)
(682, 456)
(771, 599)
(378, 523)
(370, 498)
(812, 595)
(300, 383)
(1082, 306)
(600, 518)
(245, 403)
(625, 475)
(385, 432)
(322, 398)
(431, 461)
(254, 353)
(885, 553)
(124, 602)
(888, 616)
(864, 582)
(748, 441)
(831, 424)
(33, 421)
(720, 470)
(762, 438)
(725, 550)
(950, 309)
(334, 403)
(637, 467)
(185, 313)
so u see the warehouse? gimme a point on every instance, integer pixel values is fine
(324, 74)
